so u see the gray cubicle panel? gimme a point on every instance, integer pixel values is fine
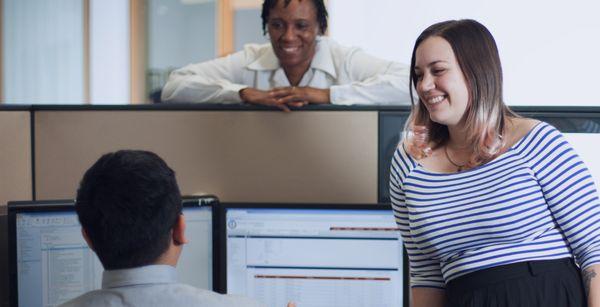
(588, 122)
(391, 125)
(4, 280)
(15, 155)
(241, 156)
(580, 125)
(15, 175)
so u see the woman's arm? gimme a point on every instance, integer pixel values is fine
(428, 297)
(217, 80)
(591, 282)
(572, 198)
(425, 272)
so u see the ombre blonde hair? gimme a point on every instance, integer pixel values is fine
(477, 55)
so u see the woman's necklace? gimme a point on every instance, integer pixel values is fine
(460, 167)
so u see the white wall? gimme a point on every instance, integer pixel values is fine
(109, 52)
(43, 51)
(549, 48)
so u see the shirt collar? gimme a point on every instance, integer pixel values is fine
(151, 274)
(322, 60)
(266, 61)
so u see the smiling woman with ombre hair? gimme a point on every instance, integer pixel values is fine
(300, 66)
(494, 209)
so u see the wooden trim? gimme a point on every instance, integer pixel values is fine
(86, 52)
(137, 58)
(224, 27)
(1, 52)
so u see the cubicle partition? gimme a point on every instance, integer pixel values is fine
(261, 155)
(15, 174)
(15, 155)
(331, 154)
(318, 154)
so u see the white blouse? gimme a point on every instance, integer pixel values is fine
(352, 76)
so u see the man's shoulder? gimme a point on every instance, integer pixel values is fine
(210, 298)
(160, 295)
(92, 298)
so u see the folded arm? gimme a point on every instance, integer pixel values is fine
(218, 81)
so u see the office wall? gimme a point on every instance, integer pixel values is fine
(15, 156)
(109, 52)
(546, 46)
(260, 156)
(43, 51)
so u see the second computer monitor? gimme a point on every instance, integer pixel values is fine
(314, 255)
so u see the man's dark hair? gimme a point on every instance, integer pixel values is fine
(268, 5)
(128, 202)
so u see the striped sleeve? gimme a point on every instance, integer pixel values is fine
(569, 191)
(424, 271)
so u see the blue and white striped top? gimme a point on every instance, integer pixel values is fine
(535, 201)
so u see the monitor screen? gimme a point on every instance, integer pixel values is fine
(54, 264)
(315, 257)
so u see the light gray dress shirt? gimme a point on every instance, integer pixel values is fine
(351, 75)
(153, 285)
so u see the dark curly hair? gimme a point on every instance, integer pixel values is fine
(268, 5)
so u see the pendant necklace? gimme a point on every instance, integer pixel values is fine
(460, 167)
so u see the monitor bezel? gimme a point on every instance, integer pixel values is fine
(222, 231)
(17, 207)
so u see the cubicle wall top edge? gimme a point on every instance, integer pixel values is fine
(8, 107)
(206, 107)
(583, 110)
(559, 111)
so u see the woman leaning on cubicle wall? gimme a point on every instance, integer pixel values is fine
(300, 66)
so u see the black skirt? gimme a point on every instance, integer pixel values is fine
(545, 283)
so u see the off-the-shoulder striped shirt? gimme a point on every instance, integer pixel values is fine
(535, 201)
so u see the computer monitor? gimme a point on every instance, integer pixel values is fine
(315, 255)
(50, 262)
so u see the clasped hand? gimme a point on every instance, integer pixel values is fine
(285, 97)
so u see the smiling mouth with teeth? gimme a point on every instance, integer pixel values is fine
(290, 49)
(436, 99)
